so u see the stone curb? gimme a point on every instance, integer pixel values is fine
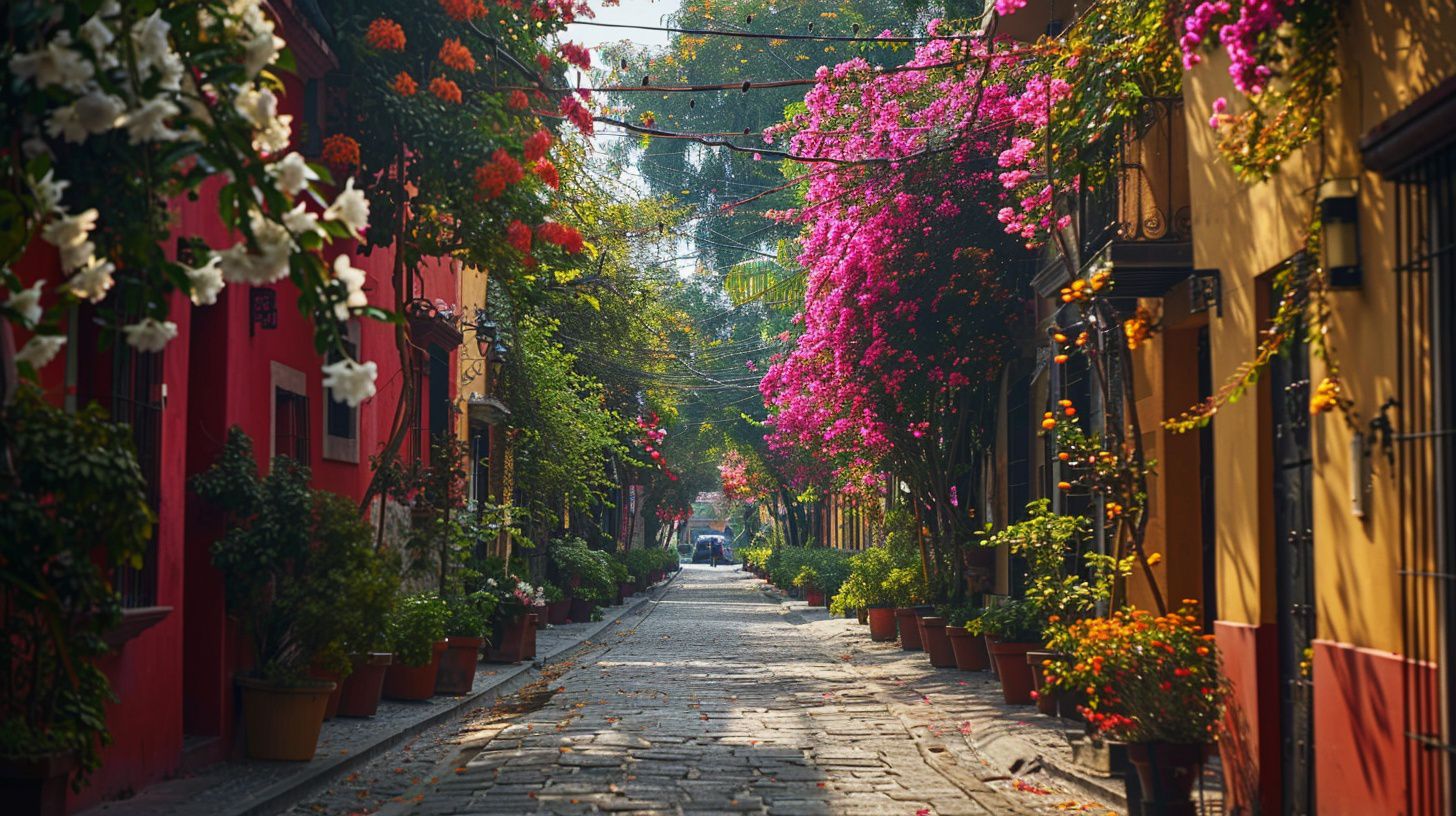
(283, 794)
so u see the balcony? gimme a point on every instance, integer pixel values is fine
(1139, 217)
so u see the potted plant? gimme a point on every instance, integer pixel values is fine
(417, 638)
(621, 580)
(963, 627)
(588, 573)
(73, 510)
(1154, 682)
(558, 606)
(937, 642)
(287, 555)
(514, 598)
(906, 586)
(808, 581)
(1013, 629)
(464, 637)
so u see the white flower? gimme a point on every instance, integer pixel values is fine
(75, 257)
(206, 282)
(261, 50)
(292, 173)
(48, 192)
(56, 64)
(171, 70)
(349, 381)
(70, 230)
(350, 208)
(352, 281)
(96, 112)
(148, 122)
(300, 221)
(93, 279)
(150, 38)
(150, 334)
(276, 136)
(40, 349)
(26, 303)
(99, 36)
(258, 106)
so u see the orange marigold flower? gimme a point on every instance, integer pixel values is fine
(404, 84)
(341, 151)
(446, 90)
(455, 55)
(518, 101)
(385, 35)
(463, 10)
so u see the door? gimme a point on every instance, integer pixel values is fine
(1294, 566)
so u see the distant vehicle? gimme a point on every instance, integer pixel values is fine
(705, 546)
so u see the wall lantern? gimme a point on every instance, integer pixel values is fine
(262, 309)
(1339, 204)
(485, 333)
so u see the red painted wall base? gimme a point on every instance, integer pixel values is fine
(1250, 749)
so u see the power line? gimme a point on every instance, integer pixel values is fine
(758, 35)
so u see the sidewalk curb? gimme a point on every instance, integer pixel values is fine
(286, 793)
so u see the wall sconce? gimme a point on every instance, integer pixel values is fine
(1339, 204)
(262, 309)
(485, 333)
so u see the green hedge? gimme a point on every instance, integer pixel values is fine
(830, 566)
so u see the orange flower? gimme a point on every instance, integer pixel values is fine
(404, 84)
(463, 10)
(456, 55)
(445, 90)
(341, 151)
(385, 35)
(1060, 358)
(1064, 485)
(1155, 559)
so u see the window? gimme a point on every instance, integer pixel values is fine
(341, 420)
(290, 414)
(441, 409)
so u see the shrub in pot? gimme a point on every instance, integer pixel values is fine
(289, 557)
(73, 510)
(865, 588)
(509, 624)
(1156, 684)
(1013, 629)
(808, 580)
(417, 638)
(465, 626)
(558, 606)
(905, 586)
(588, 571)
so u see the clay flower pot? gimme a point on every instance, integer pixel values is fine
(558, 613)
(625, 589)
(1046, 699)
(283, 722)
(1167, 772)
(814, 597)
(909, 624)
(402, 682)
(36, 785)
(937, 643)
(969, 650)
(508, 645)
(882, 623)
(456, 675)
(580, 611)
(1011, 667)
(360, 692)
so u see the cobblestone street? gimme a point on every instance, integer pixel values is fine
(713, 699)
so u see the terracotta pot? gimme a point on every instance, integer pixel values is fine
(359, 693)
(456, 675)
(969, 650)
(814, 597)
(508, 645)
(331, 709)
(580, 611)
(995, 672)
(540, 612)
(1167, 772)
(36, 785)
(862, 615)
(403, 682)
(1046, 700)
(283, 722)
(909, 624)
(937, 643)
(882, 623)
(1011, 667)
(528, 645)
(625, 590)
(558, 613)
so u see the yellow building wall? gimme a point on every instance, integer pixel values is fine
(473, 285)
(1391, 53)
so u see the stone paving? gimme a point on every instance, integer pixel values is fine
(716, 699)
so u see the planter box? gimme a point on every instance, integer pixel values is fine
(580, 610)
(360, 692)
(282, 722)
(528, 645)
(404, 682)
(558, 613)
(509, 643)
(456, 675)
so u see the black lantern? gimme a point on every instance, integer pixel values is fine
(1340, 224)
(486, 332)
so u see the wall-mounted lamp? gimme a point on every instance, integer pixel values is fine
(1339, 203)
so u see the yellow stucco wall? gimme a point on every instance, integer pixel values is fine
(1392, 51)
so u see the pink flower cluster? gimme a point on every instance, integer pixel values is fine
(1244, 28)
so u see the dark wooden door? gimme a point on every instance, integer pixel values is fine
(1294, 565)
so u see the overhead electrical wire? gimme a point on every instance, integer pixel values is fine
(763, 35)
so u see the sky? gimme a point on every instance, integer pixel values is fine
(631, 12)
